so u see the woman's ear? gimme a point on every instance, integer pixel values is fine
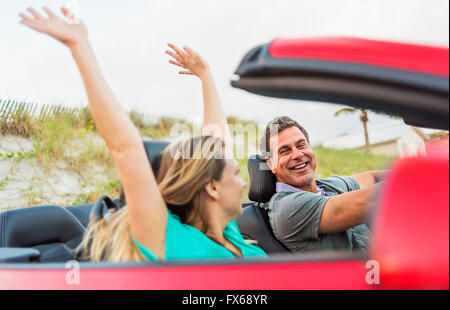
(212, 191)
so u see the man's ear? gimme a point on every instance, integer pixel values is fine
(270, 163)
(211, 190)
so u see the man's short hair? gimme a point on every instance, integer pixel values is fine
(274, 127)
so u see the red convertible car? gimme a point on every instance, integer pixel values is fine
(410, 218)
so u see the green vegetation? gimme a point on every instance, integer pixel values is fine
(59, 135)
(68, 136)
(157, 129)
(439, 134)
(347, 162)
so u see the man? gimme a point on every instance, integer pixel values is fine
(308, 214)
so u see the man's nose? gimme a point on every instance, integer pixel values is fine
(296, 153)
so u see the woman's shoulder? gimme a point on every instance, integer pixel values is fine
(232, 232)
(184, 241)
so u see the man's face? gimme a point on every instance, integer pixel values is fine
(293, 161)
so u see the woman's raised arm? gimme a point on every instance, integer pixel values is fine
(214, 121)
(148, 213)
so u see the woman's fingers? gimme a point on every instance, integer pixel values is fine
(177, 63)
(190, 51)
(179, 52)
(25, 18)
(188, 72)
(35, 14)
(70, 16)
(29, 22)
(175, 56)
(172, 46)
(187, 59)
(49, 12)
(66, 12)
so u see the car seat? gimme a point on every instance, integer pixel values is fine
(52, 230)
(254, 222)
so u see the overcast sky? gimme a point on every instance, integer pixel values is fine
(129, 38)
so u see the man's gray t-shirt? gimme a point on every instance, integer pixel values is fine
(295, 217)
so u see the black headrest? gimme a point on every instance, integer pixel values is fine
(29, 227)
(154, 149)
(262, 180)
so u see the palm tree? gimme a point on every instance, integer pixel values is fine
(363, 117)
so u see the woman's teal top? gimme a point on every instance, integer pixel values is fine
(187, 242)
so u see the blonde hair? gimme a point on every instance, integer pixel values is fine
(186, 168)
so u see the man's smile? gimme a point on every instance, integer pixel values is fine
(299, 167)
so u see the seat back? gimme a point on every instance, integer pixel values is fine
(52, 230)
(82, 212)
(254, 225)
(262, 180)
(254, 222)
(153, 148)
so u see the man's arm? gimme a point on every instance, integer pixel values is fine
(369, 178)
(346, 210)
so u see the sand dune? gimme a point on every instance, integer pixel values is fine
(26, 183)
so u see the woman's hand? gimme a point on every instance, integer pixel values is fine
(214, 121)
(70, 31)
(189, 60)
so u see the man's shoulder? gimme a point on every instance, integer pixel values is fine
(296, 214)
(285, 198)
(339, 184)
(284, 202)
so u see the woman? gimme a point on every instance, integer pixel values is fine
(189, 212)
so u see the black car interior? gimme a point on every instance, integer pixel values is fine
(254, 222)
(52, 233)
